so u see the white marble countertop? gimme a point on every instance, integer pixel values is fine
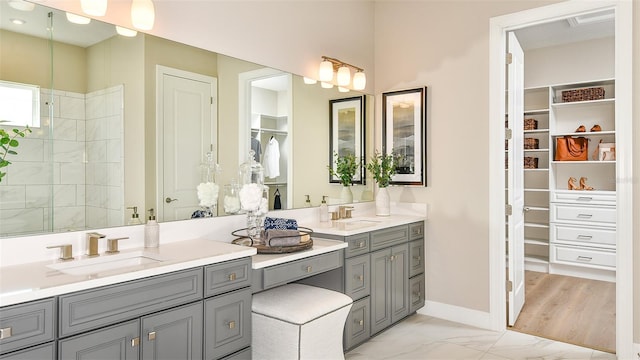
(32, 281)
(320, 246)
(361, 224)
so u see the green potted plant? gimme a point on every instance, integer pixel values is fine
(8, 142)
(382, 167)
(345, 169)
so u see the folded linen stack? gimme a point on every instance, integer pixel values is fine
(280, 224)
(281, 232)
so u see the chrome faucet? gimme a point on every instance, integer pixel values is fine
(92, 243)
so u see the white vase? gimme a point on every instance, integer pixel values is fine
(346, 196)
(383, 202)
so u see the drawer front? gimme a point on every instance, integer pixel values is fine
(357, 277)
(27, 324)
(417, 293)
(357, 328)
(296, 270)
(358, 245)
(381, 239)
(587, 215)
(583, 235)
(109, 304)
(227, 324)
(42, 352)
(227, 276)
(416, 257)
(583, 256)
(416, 231)
(114, 342)
(593, 198)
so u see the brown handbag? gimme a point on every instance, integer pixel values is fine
(571, 149)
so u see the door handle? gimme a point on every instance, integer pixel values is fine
(169, 200)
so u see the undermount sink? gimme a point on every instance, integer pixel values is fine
(357, 223)
(107, 263)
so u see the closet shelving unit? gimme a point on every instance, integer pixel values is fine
(263, 127)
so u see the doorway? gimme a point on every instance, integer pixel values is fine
(623, 264)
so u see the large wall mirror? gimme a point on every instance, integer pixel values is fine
(102, 143)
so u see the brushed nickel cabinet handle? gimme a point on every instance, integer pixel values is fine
(231, 324)
(584, 258)
(585, 216)
(232, 276)
(135, 341)
(585, 237)
(152, 336)
(309, 269)
(359, 277)
(359, 322)
(5, 333)
(392, 258)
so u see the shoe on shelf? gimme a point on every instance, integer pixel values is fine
(583, 184)
(581, 128)
(571, 184)
(595, 128)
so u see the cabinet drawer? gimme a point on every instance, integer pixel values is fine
(593, 198)
(26, 324)
(42, 352)
(358, 245)
(357, 328)
(583, 235)
(109, 304)
(227, 276)
(583, 256)
(357, 277)
(114, 342)
(417, 295)
(416, 257)
(388, 237)
(296, 270)
(416, 231)
(588, 215)
(227, 324)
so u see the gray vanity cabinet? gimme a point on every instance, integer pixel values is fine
(27, 324)
(390, 283)
(173, 334)
(118, 342)
(227, 323)
(357, 276)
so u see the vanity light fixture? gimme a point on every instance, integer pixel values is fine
(125, 32)
(343, 89)
(143, 14)
(94, 7)
(330, 65)
(22, 5)
(77, 19)
(326, 85)
(309, 81)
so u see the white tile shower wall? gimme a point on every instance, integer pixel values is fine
(85, 151)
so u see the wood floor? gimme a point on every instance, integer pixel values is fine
(569, 309)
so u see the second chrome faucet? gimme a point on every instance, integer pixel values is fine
(92, 243)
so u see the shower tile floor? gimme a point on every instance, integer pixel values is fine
(424, 337)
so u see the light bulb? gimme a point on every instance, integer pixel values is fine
(125, 32)
(143, 14)
(359, 81)
(326, 85)
(326, 71)
(77, 19)
(309, 81)
(344, 76)
(343, 89)
(94, 7)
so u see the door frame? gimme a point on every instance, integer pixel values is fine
(623, 108)
(162, 70)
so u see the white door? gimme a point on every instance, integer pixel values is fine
(186, 131)
(515, 197)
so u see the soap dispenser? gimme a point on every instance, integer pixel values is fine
(324, 210)
(151, 232)
(135, 217)
(307, 203)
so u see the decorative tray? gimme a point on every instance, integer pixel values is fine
(306, 242)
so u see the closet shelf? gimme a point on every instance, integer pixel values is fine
(537, 242)
(536, 225)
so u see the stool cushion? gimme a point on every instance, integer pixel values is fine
(297, 303)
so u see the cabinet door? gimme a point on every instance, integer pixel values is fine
(417, 293)
(399, 282)
(380, 290)
(357, 277)
(357, 328)
(119, 342)
(173, 334)
(227, 326)
(27, 324)
(42, 352)
(416, 257)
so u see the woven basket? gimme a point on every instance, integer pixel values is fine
(530, 124)
(531, 143)
(584, 94)
(530, 162)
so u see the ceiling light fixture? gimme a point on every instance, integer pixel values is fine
(125, 32)
(94, 7)
(22, 5)
(77, 19)
(343, 78)
(143, 14)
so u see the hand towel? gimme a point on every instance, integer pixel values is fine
(280, 224)
(275, 237)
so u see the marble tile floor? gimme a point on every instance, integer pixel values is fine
(425, 337)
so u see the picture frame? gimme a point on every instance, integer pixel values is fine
(404, 133)
(346, 132)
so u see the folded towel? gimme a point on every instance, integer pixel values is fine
(275, 237)
(280, 224)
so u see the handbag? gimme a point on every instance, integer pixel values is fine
(571, 149)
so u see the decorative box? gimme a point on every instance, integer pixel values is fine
(583, 94)
(530, 124)
(531, 143)
(530, 162)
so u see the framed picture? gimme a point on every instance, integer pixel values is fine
(346, 132)
(404, 134)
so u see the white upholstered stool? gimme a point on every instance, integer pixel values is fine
(298, 321)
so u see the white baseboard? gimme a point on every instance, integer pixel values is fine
(457, 314)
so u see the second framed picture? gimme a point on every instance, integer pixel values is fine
(347, 129)
(404, 134)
